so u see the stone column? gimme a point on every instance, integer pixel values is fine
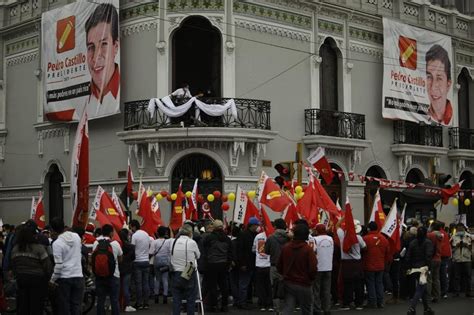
(355, 192)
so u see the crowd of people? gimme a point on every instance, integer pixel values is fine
(298, 268)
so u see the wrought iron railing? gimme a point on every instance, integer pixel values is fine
(334, 124)
(461, 138)
(250, 114)
(405, 132)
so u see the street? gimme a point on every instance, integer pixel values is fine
(452, 305)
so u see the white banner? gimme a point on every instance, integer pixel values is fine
(81, 60)
(240, 205)
(417, 78)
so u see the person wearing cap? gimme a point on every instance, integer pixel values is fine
(462, 259)
(246, 260)
(217, 250)
(352, 269)
(375, 257)
(324, 246)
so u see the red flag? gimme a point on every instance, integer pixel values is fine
(252, 211)
(118, 206)
(377, 215)
(104, 204)
(290, 215)
(273, 197)
(350, 237)
(191, 209)
(80, 174)
(151, 220)
(129, 179)
(176, 220)
(37, 212)
(324, 201)
(103, 219)
(318, 159)
(305, 204)
(267, 223)
(447, 193)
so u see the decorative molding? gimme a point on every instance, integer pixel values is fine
(235, 149)
(51, 133)
(138, 11)
(271, 29)
(23, 58)
(431, 16)
(462, 25)
(217, 22)
(161, 46)
(316, 60)
(195, 5)
(387, 4)
(366, 49)
(366, 35)
(137, 150)
(138, 27)
(333, 13)
(464, 59)
(366, 21)
(158, 156)
(331, 27)
(411, 10)
(442, 19)
(254, 155)
(230, 46)
(26, 31)
(3, 140)
(272, 14)
(22, 45)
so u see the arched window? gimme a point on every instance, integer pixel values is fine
(415, 176)
(328, 75)
(197, 57)
(54, 193)
(463, 99)
(371, 187)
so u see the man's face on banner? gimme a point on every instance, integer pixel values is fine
(438, 83)
(101, 52)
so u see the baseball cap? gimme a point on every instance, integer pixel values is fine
(217, 224)
(254, 221)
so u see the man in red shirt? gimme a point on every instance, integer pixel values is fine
(446, 254)
(298, 265)
(435, 237)
(376, 255)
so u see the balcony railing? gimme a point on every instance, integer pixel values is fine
(461, 138)
(405, 132)
(334, 124)
(253, 114)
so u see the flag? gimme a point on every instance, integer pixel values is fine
(391, 229)
(240, 206)
(80, 174)
(118, 205)
(191, 209)
(290, 215)
(103, 219)
(129, 179)
(402, 220)
(377, 215)
(267, 223)
(339, 209)
(177, 211)
(252, 211)
(33, 207)
(37, 211)
(150, 220)
(104, 204)
(350, 238)
(318, 159)
(447, 193)
(272, 196)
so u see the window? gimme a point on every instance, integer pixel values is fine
(328, 72)
(463, 99)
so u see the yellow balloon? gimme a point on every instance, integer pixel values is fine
(189, 194)
(298, 189)
(467, 202)
(455, 201)
(231, 197)
(300, 195)
(158, 197)
(174, 196)
(210, 197)
(149, 193)
(251, 194)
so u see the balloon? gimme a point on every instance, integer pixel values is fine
(174, 196)
(225, 206)
(168, 198)
(231, 197)
(149, 193)
(251, 194)
(298, 189)
(210, 197)
(224, 198)
(158, 197)
(467, 202)
(189, 194)
(217, 194)
(135, 195)
(164, 193)
(300, 195)
(455, 201)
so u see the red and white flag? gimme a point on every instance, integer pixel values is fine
(318, 159)
(103, 203)
(290, 215)
(377, 215)
(191, 209)
(177, 210)
(391, 229)
(350, 237)
(37, 211)
(80, 174)
(151, 220)
(240, 207)
(272, 196)
(118, 205)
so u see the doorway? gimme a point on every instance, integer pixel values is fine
(54, 180)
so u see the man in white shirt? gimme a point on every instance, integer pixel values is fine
(324, 248)
(184, 252)
(262, 273)
(141, 268)
(109, 286)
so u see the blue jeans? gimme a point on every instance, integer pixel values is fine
(180, 294)
(141, 271)
(443, 275)
(126, 287)
(421, 292)
(298, 294)
(107, 287)
(71, 292)
(244, 281)
(161, 277)
(374, 280)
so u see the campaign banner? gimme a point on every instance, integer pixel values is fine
(417, 77)
(81, 60)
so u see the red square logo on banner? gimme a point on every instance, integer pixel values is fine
(408, 52)
(66, 34)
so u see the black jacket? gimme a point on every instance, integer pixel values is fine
(274, 244)
(126, 266)
(419, 254)
(217, 248)
(245, 258)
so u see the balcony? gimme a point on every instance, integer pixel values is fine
(461, 149)
(405, 132)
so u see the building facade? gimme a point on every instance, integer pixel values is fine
(306, 72)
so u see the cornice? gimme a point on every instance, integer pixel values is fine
(272, 29)
(143, 25)
(22, 58)
(376, 51)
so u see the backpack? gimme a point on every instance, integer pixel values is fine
(103, 261)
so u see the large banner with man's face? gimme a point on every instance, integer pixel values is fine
(81, 60)
(417, 82)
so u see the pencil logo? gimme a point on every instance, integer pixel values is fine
(408, 52)
(66, 34)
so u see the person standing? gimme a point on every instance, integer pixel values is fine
(298, 265)
(126, 268)
(446, 254)
(110, 284)
(141, 269)
(262, 273)
(184, 254)
(322, 286)
(376, 256)
(462, 256)
(160, 249)
(32, 268)
(436, 238)
(67, 269)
